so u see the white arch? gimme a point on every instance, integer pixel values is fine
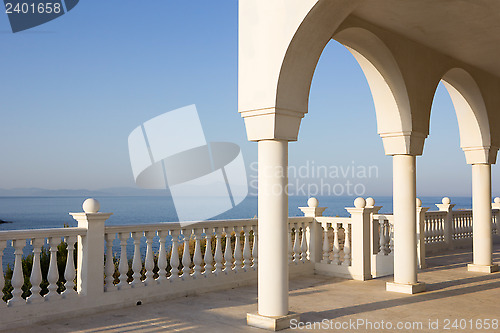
(386, 82)
(472, 116)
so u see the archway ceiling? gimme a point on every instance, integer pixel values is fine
(467, 30)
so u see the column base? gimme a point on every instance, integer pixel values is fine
(405, 288)
(271, 323)
(482, 268)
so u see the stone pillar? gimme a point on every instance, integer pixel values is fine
(446, 206)
(90, 257)
(273, 237)
(405, 226)
(496, 206)
(314, 230)
(421, 234)
(374, 229)
(481, 213)
(361, 250)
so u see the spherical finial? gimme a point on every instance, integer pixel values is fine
(359, 202)
(446, 201)
(91, 205)
(419, 202)
(497, 200)
(370, 202)
(312, 202)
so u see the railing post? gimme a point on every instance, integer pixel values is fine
(360, 239)
(374, 229)
(314, 231)
(421, 234)
(496, 211)
(90, 275)
(446, 206)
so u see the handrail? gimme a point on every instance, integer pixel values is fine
(40, 233)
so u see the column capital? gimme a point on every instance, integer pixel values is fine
(272, 124)
(480, 155)
(403, 143)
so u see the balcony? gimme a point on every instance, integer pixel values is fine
(338, 268)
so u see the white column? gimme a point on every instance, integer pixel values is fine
(481, 226)
(405, 226)
(273, 228)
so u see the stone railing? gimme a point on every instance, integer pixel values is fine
(342, 244)
(116, 266)
(94, 266)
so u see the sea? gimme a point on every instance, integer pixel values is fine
(53, 212)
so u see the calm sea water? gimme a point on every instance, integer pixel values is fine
(52, 212)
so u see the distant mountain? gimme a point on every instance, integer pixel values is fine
(113, 191)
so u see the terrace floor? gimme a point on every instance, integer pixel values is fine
(453, 293)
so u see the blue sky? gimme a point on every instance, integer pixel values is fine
(74, 88)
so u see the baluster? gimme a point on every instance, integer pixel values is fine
(3, 244)
(438, 229)
(290, 242)
(238, 256)
(69, 270)
(336, 246)
(228, 253)
(17, 276)
(441, 227)
(433, 230)
(296, 245)
(463, 222)
(136, 260)
(303, 244)
(391, 237)
(186, 256)
(208, 258)
(218, 252)
(454, 227)
(308, 230)
(197, 258)
(326, 245)
(469, 220)
(53, 275)
(426, 231)
(149, 262)
(347, 245)
(36, 272)
(110, 265)
(255, 251)
(247, 255)
(123, 265)
(174, 256)
(465, 219)
(162, 257)
(460, 227)
(382, 239)
(387, 237)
